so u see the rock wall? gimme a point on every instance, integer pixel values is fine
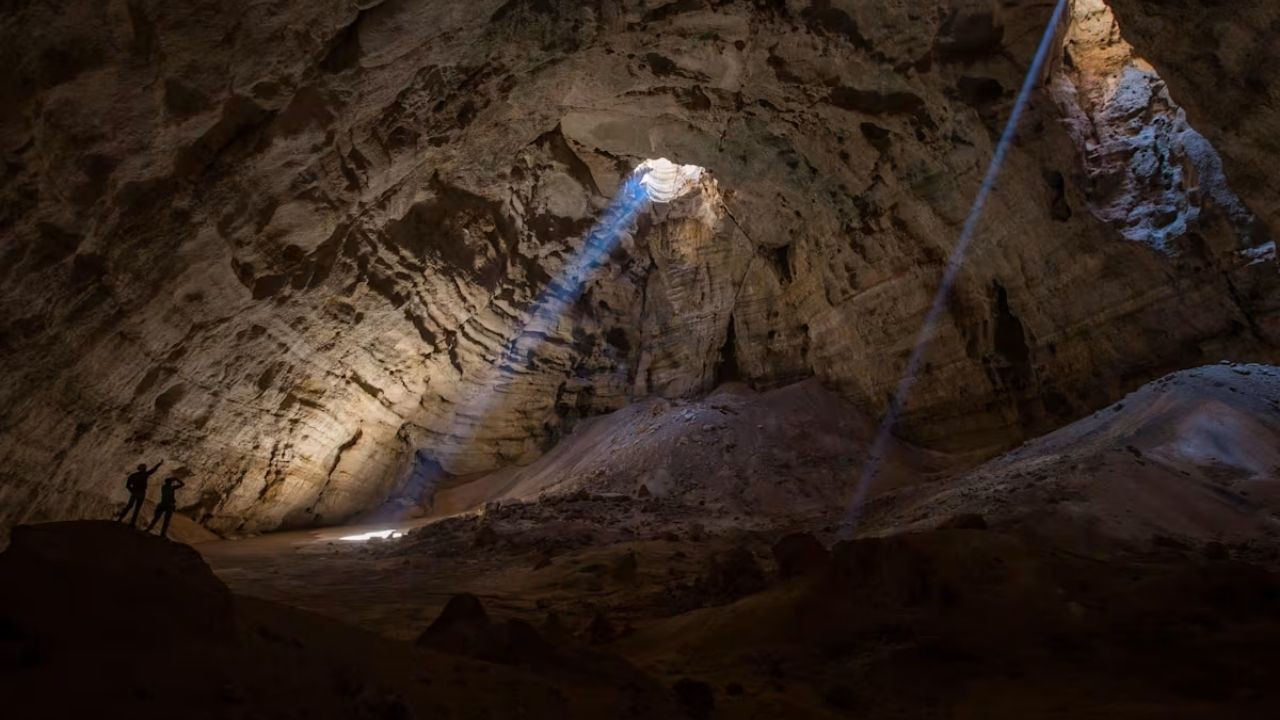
(1151, 175)
(299, 248)
(1221, 61)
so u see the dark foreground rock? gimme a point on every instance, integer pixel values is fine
(99, 620)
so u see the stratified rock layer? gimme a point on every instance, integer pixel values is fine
(303, 249)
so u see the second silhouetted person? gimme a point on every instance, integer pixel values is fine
(168, 503)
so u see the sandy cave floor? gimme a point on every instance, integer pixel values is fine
(1143, 536)
(396, 587)
(680, 597)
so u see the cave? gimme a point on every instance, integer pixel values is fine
(673, 359)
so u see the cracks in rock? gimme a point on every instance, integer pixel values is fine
(1254, 328)
(724, 132)
(555, 142)
(632, 368)
(727, 368)
(333, 467)
(426, 333)
(273, 477)
(242, 119)
(451, 344)
(1059, 207)
(457, 229)
(746, 272)
(1009, 342)
(737, 224)
(343, 50)
(781, 260)
(370, 389)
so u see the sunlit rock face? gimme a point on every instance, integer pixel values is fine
(295, 247)
(1222, 63)
(1151, 175)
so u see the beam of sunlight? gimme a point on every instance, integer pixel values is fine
(557, 298)
(885, 433)
(653, 181)
(657, 181)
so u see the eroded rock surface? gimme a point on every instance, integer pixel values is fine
(297, 248)
(793, 452)
(1151, 174)
(1221, 61)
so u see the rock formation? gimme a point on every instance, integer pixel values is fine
(298, 248)
(1191, 457)
(1151, 175)
(1221, 62)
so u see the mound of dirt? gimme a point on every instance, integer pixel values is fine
(785, 453)
(1191, 459)
(100, 583)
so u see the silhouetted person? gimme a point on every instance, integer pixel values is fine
(137, 487)
(168, 503)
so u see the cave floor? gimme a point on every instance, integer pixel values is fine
(959, 622)
(396, 587)
(1124, 566)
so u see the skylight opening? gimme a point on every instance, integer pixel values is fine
(665, 181)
